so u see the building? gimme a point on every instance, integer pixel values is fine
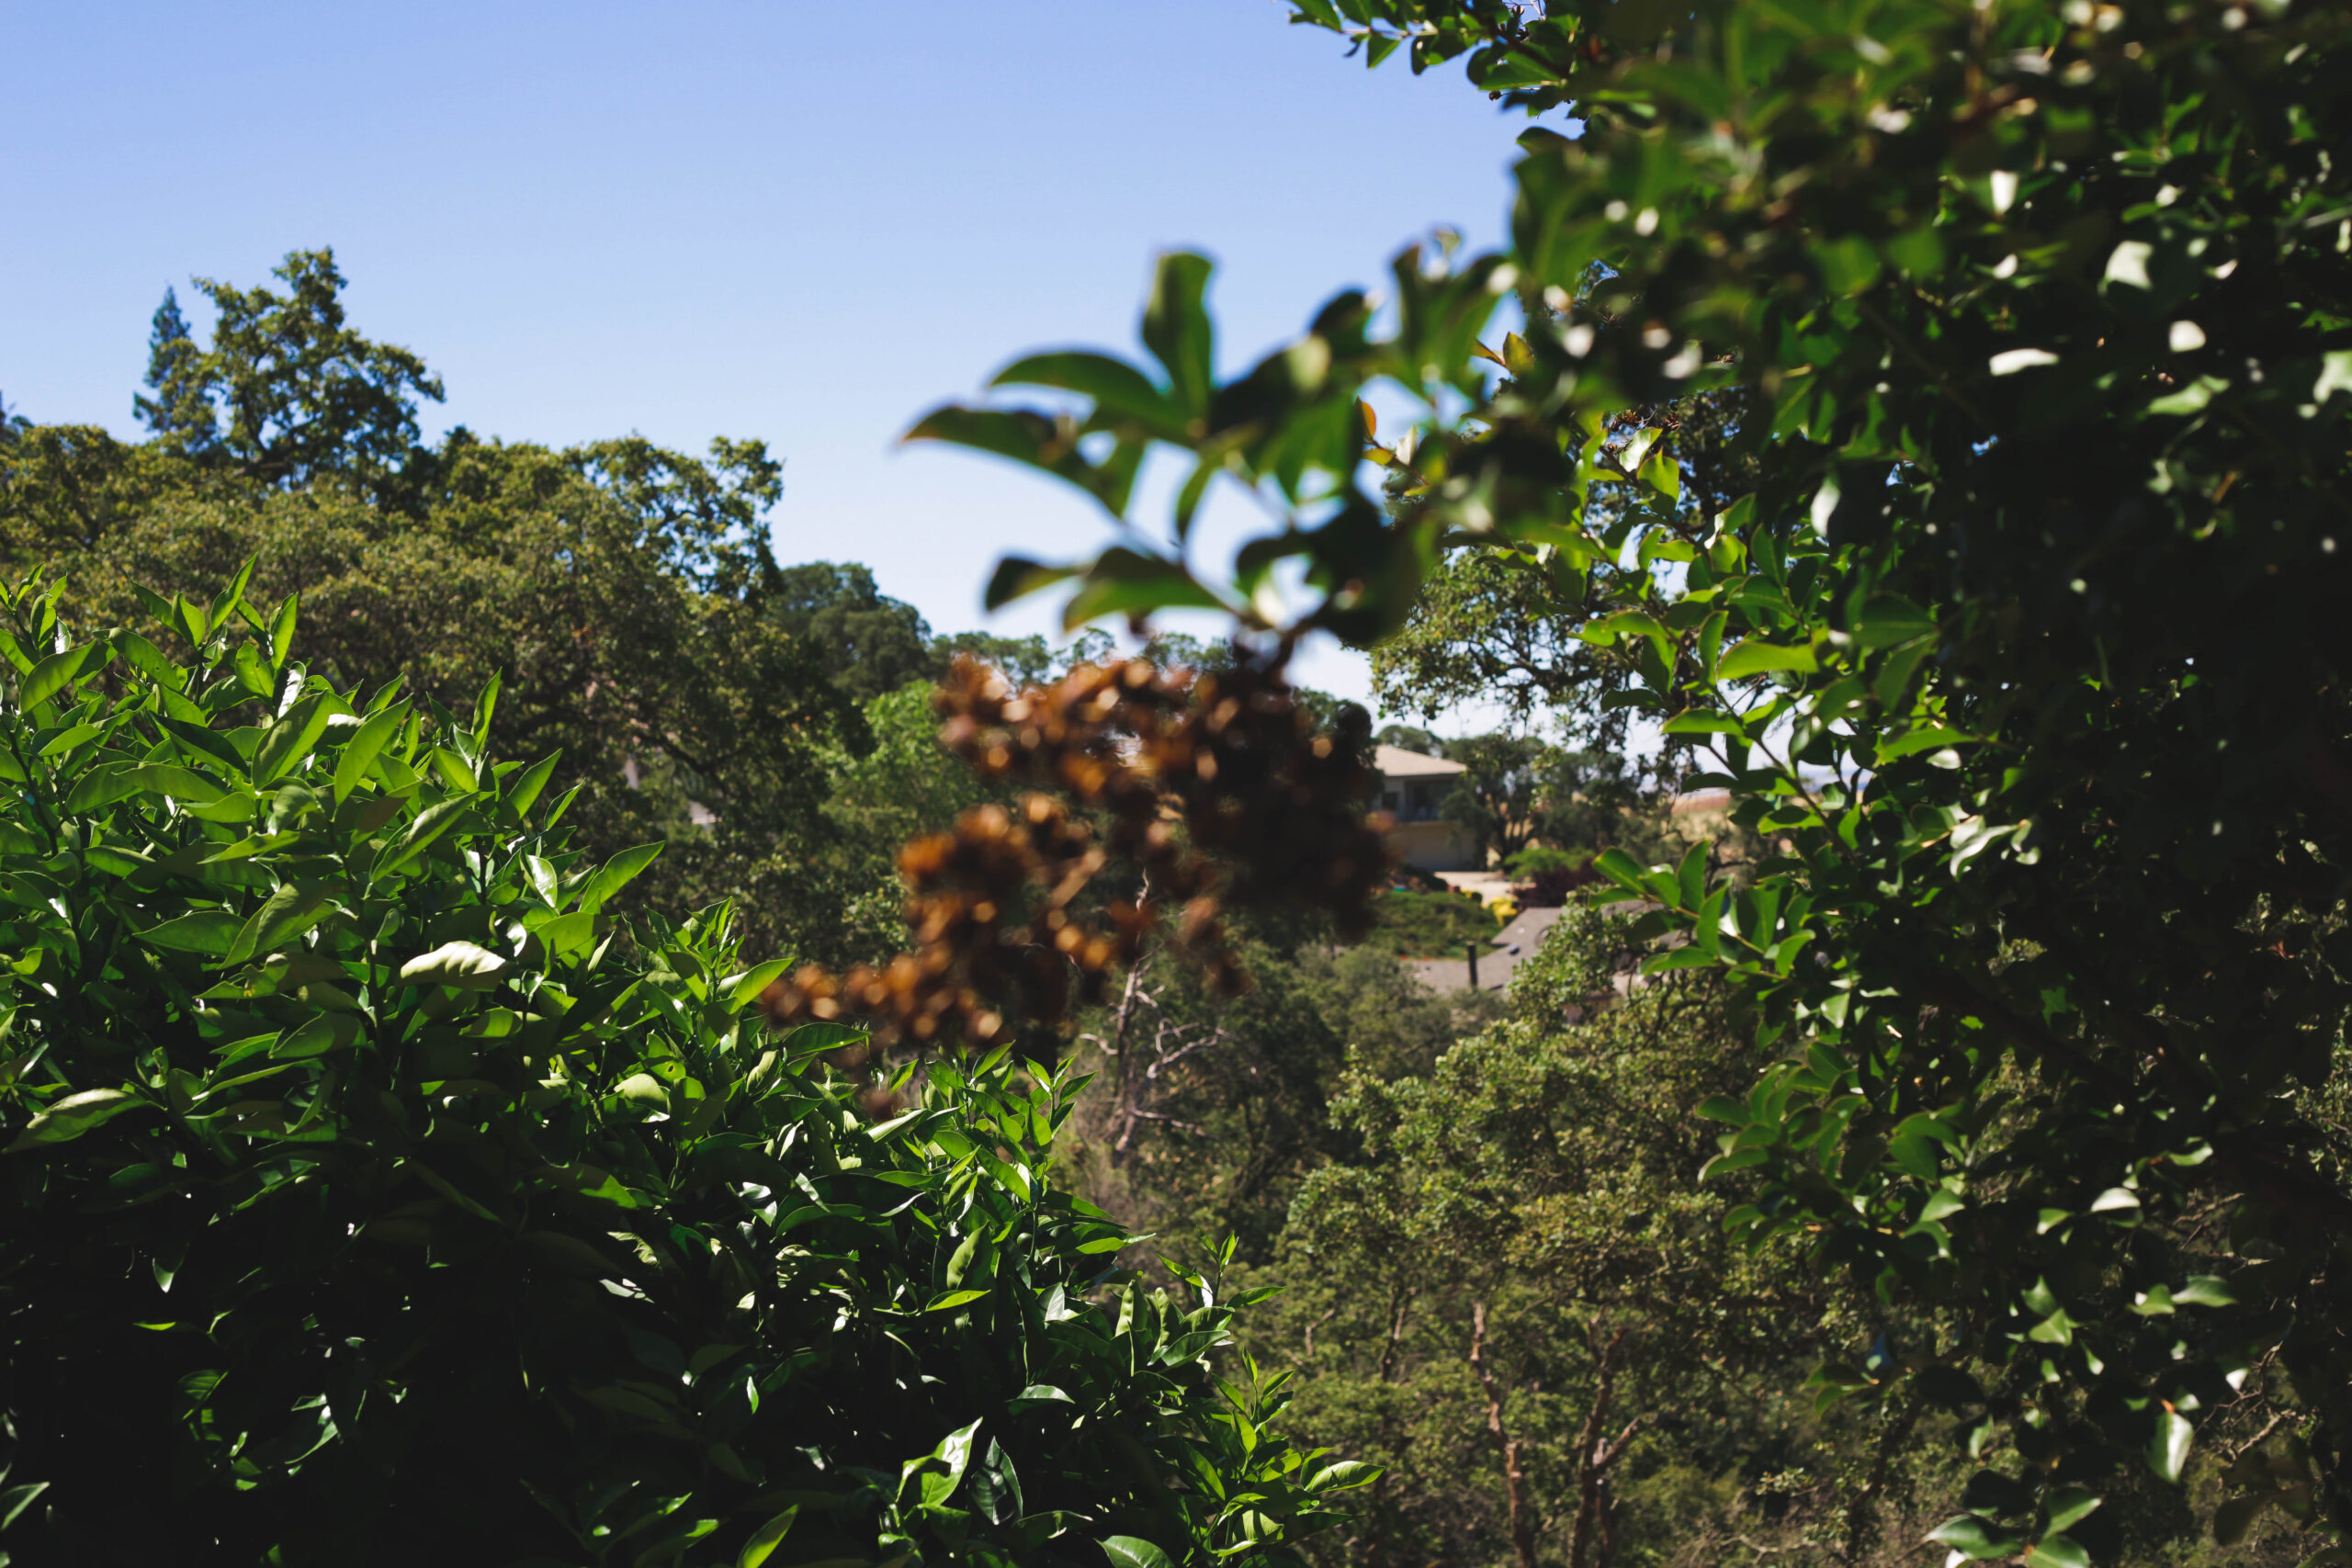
(1412, 791)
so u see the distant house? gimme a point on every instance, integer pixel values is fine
(1412, 790)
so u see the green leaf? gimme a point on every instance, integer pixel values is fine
(463, 965)
(175, 782)
(617, 874)
(1623, 869)
(289, 910)
(1038, 1393)
(1886, 621)
(1017, 577)
(1691, 876)
(282, 629)
(100, 787)
(1756, 657)
(53, 674)
(1176, 329)
(289, 740)
(2192, 398)
(766, 1539)
(953, 1299)
(2057, 1551)
(1120, 582)
(814, 1038)
(359, 752)
(741, 991)
(316, 1036)
(519, 797)
(1928, 738)
(455, 770)
(1027, 437)
(208, 931)
(76, 1114)
(1975, 1538)
(566, 934)
(1340, 1477)
(1116, 387)
(16, 1499)
(2168, 1449)
(421, 835)
(149, 660)
(2069, 1506)
(1702, 721)
(1131, 1552)
(2204, 1289)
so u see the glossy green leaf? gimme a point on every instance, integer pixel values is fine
(2168, 1449)
(289, 740)
(1755, 657)
(463, 965)
(59, 670)
(69, 1118)
(765, 1539)
(2057, 1551)
(1131, 1552)
(208, 931)
(617, 874)
(1973, 1538)
(359, 752)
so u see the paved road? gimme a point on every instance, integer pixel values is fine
(1515, 941)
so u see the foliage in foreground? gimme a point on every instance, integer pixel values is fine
(2037, 326)
(373, 1196)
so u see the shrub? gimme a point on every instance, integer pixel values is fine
(1428, 925)
(373, 1197)
(1537, 859)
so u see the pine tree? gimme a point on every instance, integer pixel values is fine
(180, 414)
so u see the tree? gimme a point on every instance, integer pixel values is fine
(373, 1196)
(285, 392)
(612, 587)
(617, 588)
(1025, 661)
(2042, 336)
(1496, 800)
(871, 643)
(1410, 737)
(181, 411)
(1206, 1113)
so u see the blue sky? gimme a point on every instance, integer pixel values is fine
(802, 222)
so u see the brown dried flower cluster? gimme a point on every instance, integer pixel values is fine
(1202, 792)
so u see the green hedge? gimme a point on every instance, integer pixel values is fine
(372, 1197)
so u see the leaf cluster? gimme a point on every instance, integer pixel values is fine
(375, 1193)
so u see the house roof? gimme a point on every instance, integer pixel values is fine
(1396, 762)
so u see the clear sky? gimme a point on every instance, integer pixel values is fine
(798, 221)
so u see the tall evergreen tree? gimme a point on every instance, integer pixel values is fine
(181, 411)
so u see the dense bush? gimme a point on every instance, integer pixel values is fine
(1430, 925)
(373, 1196)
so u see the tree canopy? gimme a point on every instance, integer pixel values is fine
(2026, 332)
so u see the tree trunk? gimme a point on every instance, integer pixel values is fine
(1596, 1452)
(1522, 1518)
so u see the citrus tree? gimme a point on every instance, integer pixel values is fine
(2035, 326)
(370, 1194)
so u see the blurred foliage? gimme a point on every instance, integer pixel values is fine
(1428, 925)
(1932, 419)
